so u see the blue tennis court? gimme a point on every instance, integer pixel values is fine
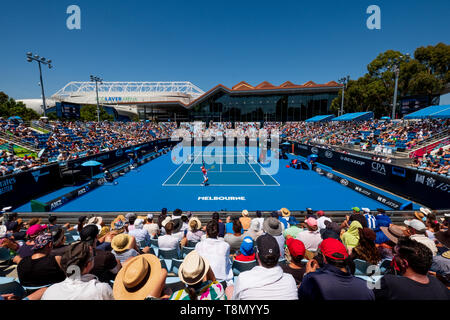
(237, 169)
(236, 183)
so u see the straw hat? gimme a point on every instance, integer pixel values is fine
(138, 278)
(446, 254)
(419, 215)
(285, 212)
(193, 269)
(199, 223)
(121, 242)
(119, 217)
(393, 232)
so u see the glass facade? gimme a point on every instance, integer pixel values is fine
(273, 107)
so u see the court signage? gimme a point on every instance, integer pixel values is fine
(427, 189)
(20, 188)
(354, 161)
(378, 168)
(221, 198)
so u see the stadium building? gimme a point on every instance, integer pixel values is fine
(183, 101)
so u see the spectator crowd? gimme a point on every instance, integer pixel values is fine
(264, 257)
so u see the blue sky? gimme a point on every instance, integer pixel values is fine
(207, 42)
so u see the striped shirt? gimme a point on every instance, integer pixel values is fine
(371, 221)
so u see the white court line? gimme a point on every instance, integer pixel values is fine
(222, 185)
(268, 173)
(188, 169)
(212, 171)
(254, 171)
(174, 173)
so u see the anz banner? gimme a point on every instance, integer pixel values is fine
(18, 189)
(431, 190)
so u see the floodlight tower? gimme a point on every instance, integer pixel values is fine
(394, 65)
(40, 60)
(97, 80)
(344, 81)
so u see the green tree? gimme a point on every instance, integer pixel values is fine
(425, 74)
(89, 113)
(9, 107)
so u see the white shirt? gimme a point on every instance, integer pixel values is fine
(152, 229)
(311, 239)
(321, 222)
(217, 252)
(86, 288)
(168, 242)
(265, 284)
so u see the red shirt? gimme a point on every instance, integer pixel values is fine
(204, 170)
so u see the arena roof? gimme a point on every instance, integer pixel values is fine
(177, 93)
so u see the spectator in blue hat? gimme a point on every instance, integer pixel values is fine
(246, 251)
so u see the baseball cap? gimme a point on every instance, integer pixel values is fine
(366, 210)
(356, 209)
(311, 222)
(246, 246)
(415, 224)
(267, 247)
(320, 213)
(150, 216)
(296, 247)
(333, 249)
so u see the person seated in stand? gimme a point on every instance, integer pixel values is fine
(417, 231)
(294, 253)
(26, 250)
(412, 262)
(124, 247)
(235, 239)
(329, 276)
(151, 227)
(79, 287)
(194, 233)
(41, 268)
(139, 233)
(246, 252)
(217, 252)
(201, 284)
(267, 281)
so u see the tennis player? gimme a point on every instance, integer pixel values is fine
(205, 175)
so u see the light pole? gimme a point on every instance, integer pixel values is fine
(395, 67)
(31, 58)
(97, 80)
(344, 81)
